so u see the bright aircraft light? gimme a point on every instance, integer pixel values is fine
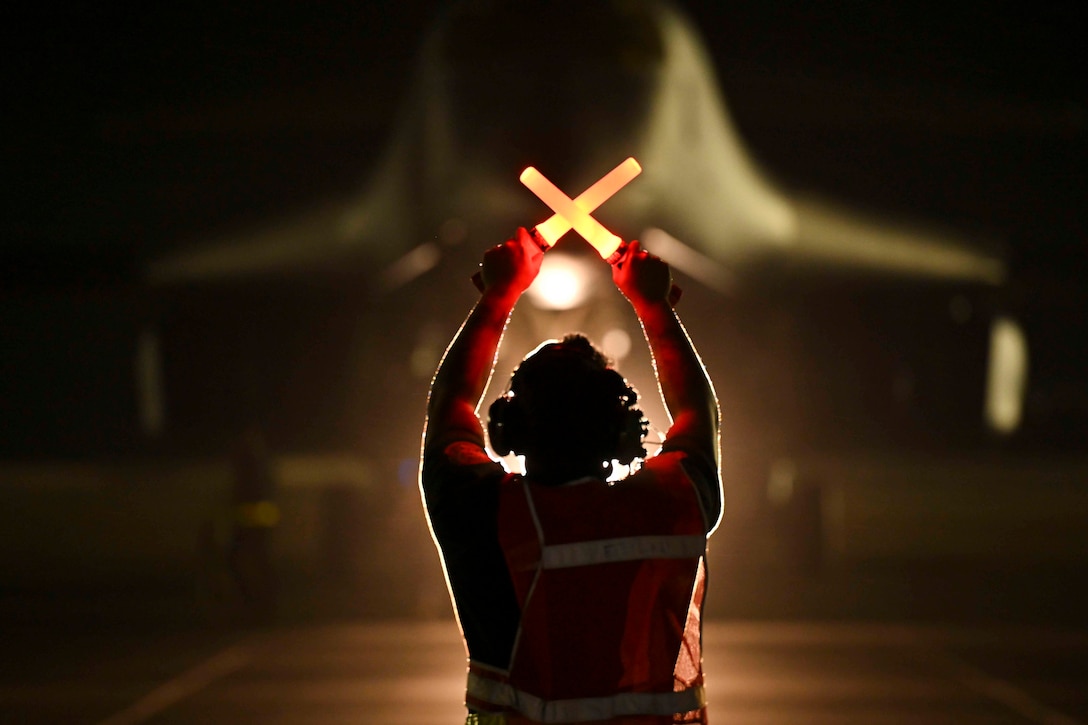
(569, 213)
(562, 283)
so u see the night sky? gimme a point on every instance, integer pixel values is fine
(134, 128)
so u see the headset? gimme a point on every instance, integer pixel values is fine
(509, 424)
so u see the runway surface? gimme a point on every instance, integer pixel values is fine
(412, 672)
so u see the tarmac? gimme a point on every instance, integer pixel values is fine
(759, 672)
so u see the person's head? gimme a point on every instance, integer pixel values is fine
(568, 412)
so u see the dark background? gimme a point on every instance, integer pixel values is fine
(134, 129)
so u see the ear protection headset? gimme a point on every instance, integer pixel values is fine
(508, 426)
(633, 427)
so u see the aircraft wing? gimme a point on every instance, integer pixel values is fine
(484, 103)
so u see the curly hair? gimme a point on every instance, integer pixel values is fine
(566, 399)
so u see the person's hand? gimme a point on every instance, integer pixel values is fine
(643, 278)
(510, 267)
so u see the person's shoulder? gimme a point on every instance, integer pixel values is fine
(685, 470)
(668, 458)
(458, 464)
(458, 452)
(464, 453)
(663, 468)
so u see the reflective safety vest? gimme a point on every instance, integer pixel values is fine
(610, 580)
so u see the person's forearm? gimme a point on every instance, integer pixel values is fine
(685, 387)
(506, 271)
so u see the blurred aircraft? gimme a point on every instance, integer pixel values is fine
(573, 89)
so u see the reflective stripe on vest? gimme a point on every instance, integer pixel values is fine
(606, 551)
(588, 708)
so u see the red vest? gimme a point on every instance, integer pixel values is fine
(610, 580)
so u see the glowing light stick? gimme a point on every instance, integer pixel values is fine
(604, 241)
(575, 213)
(588, 201)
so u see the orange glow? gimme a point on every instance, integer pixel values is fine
(575, 213)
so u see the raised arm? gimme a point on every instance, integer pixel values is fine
(646, 281)
(506, 272)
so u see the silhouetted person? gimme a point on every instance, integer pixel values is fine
(579, 599)
(255, 516)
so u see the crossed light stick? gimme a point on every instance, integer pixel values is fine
(576, 213)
